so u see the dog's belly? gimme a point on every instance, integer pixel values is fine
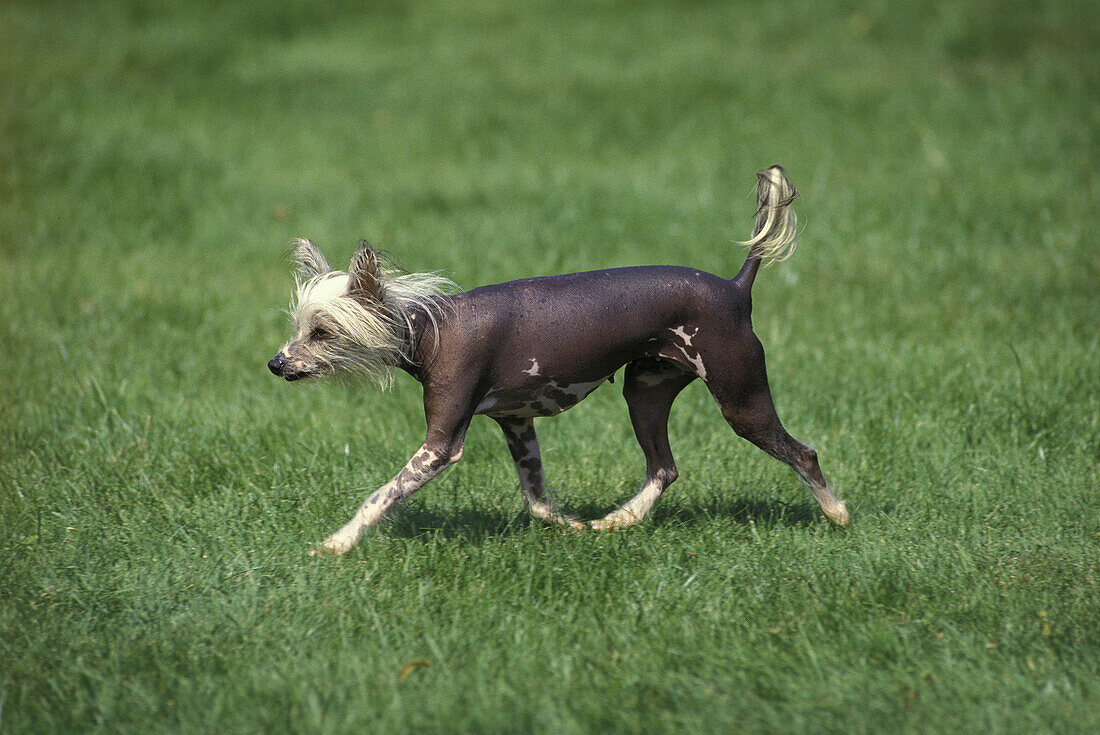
(547, 398)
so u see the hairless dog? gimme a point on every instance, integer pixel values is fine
(538, 346)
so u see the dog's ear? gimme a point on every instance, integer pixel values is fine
(365, 284)
(308, 258)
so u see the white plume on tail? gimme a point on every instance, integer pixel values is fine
(776, 232)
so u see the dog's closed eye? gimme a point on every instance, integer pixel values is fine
(320, 333)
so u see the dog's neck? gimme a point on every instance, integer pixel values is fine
(418, 343)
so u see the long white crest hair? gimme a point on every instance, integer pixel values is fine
(367, 312)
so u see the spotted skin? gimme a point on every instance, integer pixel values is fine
(519, 433)
(545, 399)
(422, 467)
(668, 325)
(536, 347)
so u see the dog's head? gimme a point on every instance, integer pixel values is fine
(356, 322)
(341, 321)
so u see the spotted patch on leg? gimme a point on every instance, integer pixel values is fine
(421, 467)
(689, 353)
(524, 446)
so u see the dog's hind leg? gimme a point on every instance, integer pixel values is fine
(524, 446)
(746, 403)
(649, 386)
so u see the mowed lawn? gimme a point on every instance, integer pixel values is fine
(935, 338)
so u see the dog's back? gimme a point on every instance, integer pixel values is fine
(580, 327)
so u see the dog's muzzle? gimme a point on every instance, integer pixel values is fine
(277, 365)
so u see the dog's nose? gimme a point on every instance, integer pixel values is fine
(276, 364)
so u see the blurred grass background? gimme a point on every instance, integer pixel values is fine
(935, 338)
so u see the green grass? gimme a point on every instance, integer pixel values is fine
(935, 338)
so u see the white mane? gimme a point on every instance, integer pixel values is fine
(368, 340)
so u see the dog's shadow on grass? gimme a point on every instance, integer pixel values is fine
(743, 511)
(474, 524)
(470, 524)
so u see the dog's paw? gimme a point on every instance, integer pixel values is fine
(621, 518)
(560, 519)
(568, 521)
(332, 547)
(544, 511)
(838, 514)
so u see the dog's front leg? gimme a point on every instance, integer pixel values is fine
(431, 459)
(447, 417)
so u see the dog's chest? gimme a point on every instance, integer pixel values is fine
(540, 397)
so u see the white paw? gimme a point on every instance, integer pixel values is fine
(333, 546)
(838, 514)
(621, 518)
(545, 512)
(568, 521)
(565, 521)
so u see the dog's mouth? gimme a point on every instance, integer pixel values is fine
(291, 377)
(280, 367)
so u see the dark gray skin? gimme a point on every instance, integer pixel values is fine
(580, 328)
(536, 347)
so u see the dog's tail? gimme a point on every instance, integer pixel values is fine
(776, 231)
